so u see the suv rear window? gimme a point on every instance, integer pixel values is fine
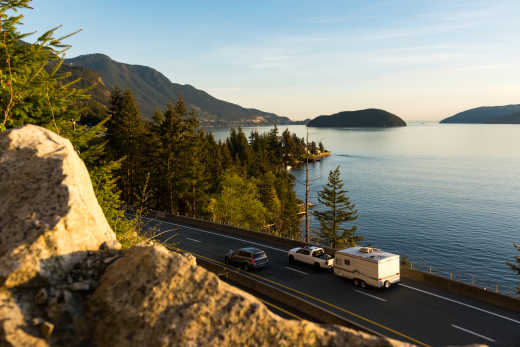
(259, 255)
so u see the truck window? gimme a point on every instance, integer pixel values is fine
(347, 262)
(318, 253)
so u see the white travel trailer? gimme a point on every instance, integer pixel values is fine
(366, 265)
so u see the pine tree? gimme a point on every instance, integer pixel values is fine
(338, 210)
(124, 134)
(31, 88)
(516, 266)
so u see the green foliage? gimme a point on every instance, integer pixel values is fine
(31, 88)
(338, 210)
(516, 265)
(124, 134)
(238, 203)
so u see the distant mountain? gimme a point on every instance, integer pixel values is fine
(152, 89)
(509, 114)
(363, 119)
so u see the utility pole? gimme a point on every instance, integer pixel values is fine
(307, 190)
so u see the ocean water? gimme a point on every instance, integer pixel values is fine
(442, 195)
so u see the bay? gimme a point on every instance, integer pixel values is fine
(442, 195)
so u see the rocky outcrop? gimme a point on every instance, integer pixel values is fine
(49, 215)
(152, 296)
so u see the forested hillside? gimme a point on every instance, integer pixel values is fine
(508, 114)
(171, 164)
(153, 90)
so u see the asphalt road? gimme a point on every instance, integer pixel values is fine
(408, 311)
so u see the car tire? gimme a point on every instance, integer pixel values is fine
(362, 284)
(356, 282)
(317, 266)
(291, 259)
(387, 284)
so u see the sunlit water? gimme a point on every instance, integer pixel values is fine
(445, 195)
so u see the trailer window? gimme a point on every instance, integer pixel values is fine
(347, 262)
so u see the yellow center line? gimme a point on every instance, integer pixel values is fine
(317, 299)
(280, 309)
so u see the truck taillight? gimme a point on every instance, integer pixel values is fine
(252, 261)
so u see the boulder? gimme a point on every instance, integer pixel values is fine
(151, 296)
(49, 215)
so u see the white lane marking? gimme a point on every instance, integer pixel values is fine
(221, 235)
(189, 238)
(290, 268)
(372, 296)
(473, 333)
(462, 303)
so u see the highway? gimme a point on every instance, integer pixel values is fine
(408, 311)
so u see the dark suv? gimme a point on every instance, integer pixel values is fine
(247, 258)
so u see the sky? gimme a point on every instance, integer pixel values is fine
(422, 60)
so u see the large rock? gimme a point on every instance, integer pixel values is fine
(154, 297)
(49, 215)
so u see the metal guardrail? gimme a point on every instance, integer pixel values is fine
(468, 279)
(437, 280)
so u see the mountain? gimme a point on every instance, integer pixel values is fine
(154, 90)
(508, 114)
(363, 119)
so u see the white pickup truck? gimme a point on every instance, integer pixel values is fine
(312, 255)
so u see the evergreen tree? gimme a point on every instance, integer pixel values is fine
(289, 225)
(516, 265)
(170, 133)
(269, 198)
(124, 134)
(338, 210)
(158, 117)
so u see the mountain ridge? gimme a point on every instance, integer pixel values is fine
(153, 90)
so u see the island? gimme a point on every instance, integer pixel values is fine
(508, 114)
(369, 118)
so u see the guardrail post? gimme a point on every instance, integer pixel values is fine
(430, 268)
(497, 288)
(451, 276)
(473, 282)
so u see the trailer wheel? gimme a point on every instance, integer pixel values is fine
(356, 282)
(387, 284)
(363, 284)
